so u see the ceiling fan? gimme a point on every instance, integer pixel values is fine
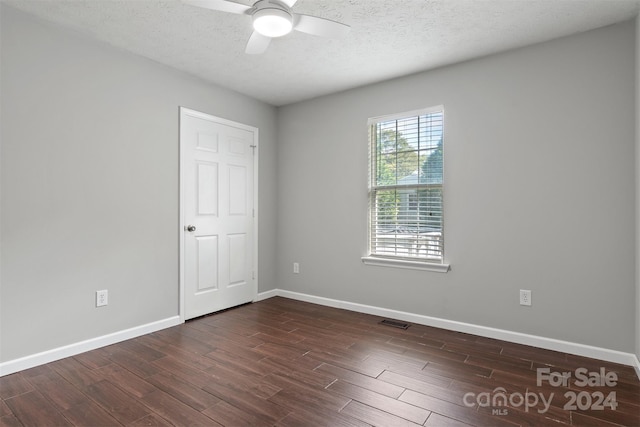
(274, 18)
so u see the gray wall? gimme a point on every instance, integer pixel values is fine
(539, 189)
(638, 187)
(539, 178)
(90, 185)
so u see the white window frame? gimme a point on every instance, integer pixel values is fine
(416, 263)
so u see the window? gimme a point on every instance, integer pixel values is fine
(406, 189)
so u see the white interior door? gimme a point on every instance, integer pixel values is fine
(218, 213)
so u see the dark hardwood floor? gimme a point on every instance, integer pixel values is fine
(281, 362)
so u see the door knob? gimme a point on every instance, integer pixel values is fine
(191, 228)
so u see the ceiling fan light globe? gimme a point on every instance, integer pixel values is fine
(272, 22)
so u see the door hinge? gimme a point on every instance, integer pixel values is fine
(254, 148)
(253, 275)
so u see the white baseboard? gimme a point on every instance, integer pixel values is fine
(614, 356)
(629, 359)
(266, 295)
(33, 360)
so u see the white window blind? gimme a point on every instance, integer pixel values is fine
(406, 186)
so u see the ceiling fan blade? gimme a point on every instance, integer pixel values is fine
(257, 43)
(320, 26)
(221, 5)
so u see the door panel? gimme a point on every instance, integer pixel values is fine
(237, 190)
(207, 259)
(217, 185)
(237, 259)
(207, 188)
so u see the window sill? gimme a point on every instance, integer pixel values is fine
(401, 263)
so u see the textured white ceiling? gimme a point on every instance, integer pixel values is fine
(388, 38)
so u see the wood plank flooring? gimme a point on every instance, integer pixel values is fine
(281, 362)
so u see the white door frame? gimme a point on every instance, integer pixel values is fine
(193, 113)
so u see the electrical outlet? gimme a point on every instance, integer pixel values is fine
(296, 268)
(525, 297)
(102, 298)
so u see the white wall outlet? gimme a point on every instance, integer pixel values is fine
(525, 297)
(296, 268)
(102, 298)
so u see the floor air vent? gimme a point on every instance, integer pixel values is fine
(394, 323)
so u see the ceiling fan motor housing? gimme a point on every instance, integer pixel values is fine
(271, 18)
